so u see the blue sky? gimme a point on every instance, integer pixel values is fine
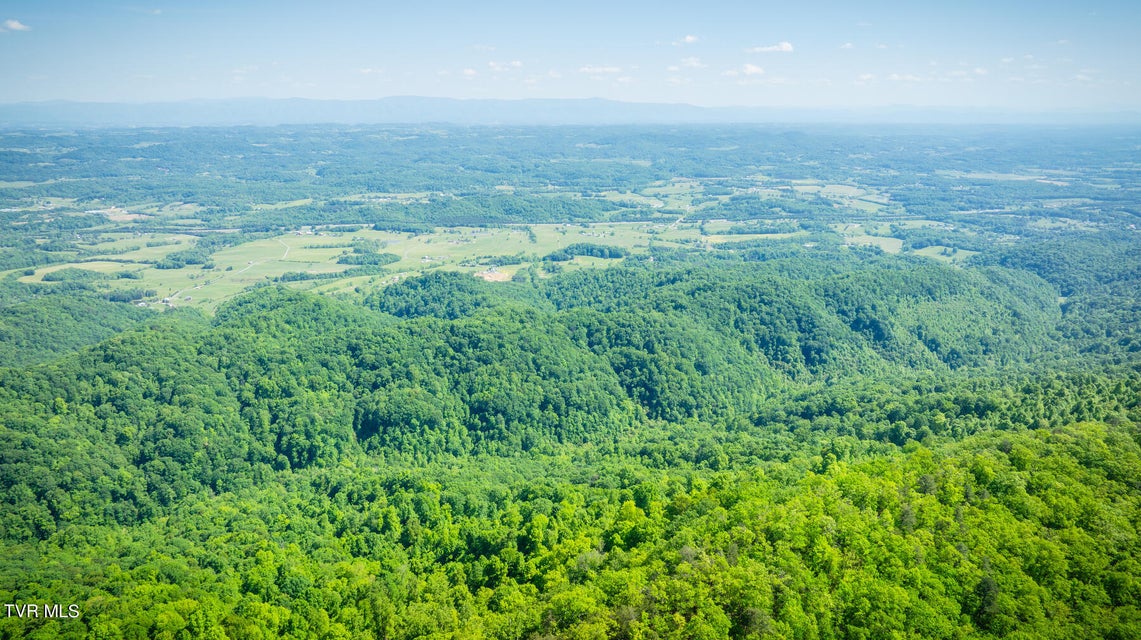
(1010, 55)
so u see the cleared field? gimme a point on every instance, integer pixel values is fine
(863, 234)
(742, 237)
(676, 194)
(718, 226)
(48, 203)
(877, 228)
(106, 267)
(945, 254)
(842, 190)
(633, 198)
(865, 204)
(283, 205)
(990, 175)
(495, 254)
(139, 251)
(1064, 224)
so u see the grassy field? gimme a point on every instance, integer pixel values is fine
(283, 205)
(888, 245)
(134, 248)
(861, 234)
(104, 267)
(945, 254)
(495, 254)
(480, 251)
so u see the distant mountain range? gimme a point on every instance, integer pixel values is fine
(421, 110)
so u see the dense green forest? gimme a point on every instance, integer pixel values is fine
(770, 427)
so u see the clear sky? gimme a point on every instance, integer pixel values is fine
(1040, 55)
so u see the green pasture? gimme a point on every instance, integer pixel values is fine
(858, 234)
(282, 205)
(989, 175)
(865, 204)
(99, 266)
(468, 249)
(888, 245)
(945, 254)
(742, 237)
(633, 198)
(140, 252)
(842, 191)
(174, 209)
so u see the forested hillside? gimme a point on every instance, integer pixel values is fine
(681, 447)
(636, 392)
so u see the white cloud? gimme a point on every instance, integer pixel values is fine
(505, 66)
(866, 77)
(881, 46)
(730, 73)
(1063, 42)
(673, 68)
(752, 70)
(904, 77)
(15, 25)
(470, 73)
(368, 71)
(688, 39)
(692, 62)
(780, 47)
(1007, 60)
(979, 71)
(847, 45)
(599, 69)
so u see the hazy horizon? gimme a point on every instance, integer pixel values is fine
(407, 110)
(826, 55)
